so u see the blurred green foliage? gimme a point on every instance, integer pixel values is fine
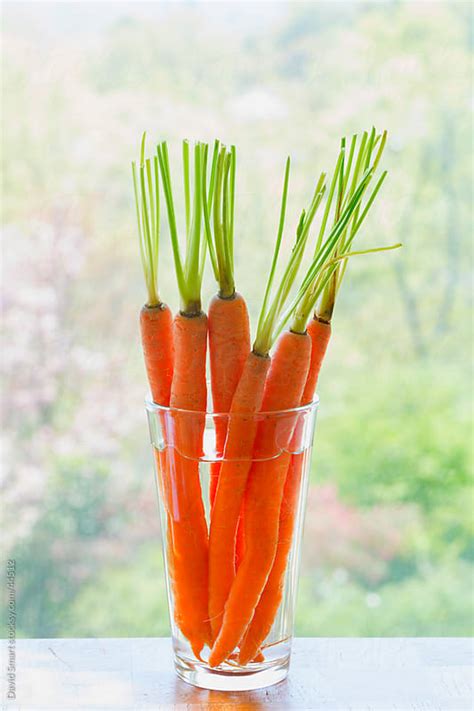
(393, 435)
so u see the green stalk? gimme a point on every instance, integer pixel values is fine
(187, 190)
(327, 209)
(233, 167)
(276, 252)
(303, 298)
(208, 195)
(220, 233)
(368, 157)
(226, 229)
(163, 160)
(193, 251)
(302, 234)
(325, 278)
(189, 276)
(147, 205)
(271, 320)
(356, 227)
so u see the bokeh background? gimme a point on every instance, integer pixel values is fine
(388, 536)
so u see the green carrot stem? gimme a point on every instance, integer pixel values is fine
(187, 190)
(220, 232)
(189, 276)
(276, 252)
(319, 260)
(367, 157)
(147, 205)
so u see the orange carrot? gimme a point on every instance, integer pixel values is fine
(225, 515)
(283, 390)
(188, 400)
(270, 600)
(242, 428)
(320, 333)
(156, 328)
(242, 424)
(157, 342)
(229, 346)
(229, 330)
(189, 393)
(155, 317)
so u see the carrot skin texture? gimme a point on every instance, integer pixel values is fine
(233, 476)
(283, 390)
(259, 628)
(240, 540)
(157, 343)
(189, 529)
(189, 388)
(229, 346)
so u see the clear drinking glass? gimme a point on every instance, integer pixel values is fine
(186, 464)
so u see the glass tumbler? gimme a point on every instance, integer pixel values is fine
(191, 464)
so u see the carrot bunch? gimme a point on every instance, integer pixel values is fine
(227, 574)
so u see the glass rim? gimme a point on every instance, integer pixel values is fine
(152, 406)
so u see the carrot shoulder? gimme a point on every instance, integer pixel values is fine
(190, 539)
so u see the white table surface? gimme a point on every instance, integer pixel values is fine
(335, 674)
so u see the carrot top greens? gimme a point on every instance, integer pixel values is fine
(190, 272)
(209, 208)
(220, 230)
(147, 203)
(351, 178)
(272, 316)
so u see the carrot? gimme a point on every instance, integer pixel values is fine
(155, 316)
(320, 333)
(188, 396)
(235, 467)
(283, 390)
(270, 600)
(319, 330)
(157, 341)
(241, 431)
(229, 345)
(155, 319)
(229, 330)
(227, 504)
(190, 537)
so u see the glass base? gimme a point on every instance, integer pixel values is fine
(221, 679)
